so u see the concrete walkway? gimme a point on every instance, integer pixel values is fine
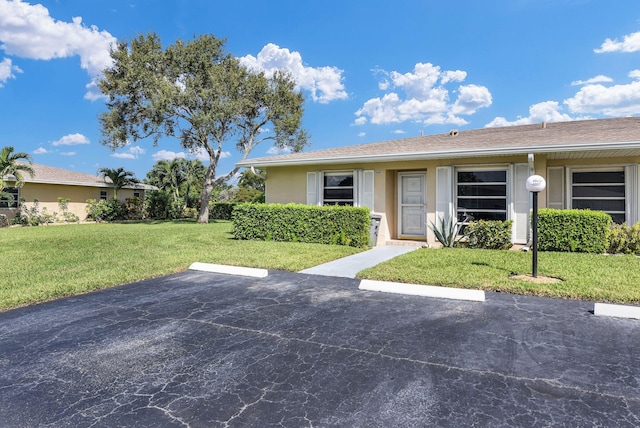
(348, 267)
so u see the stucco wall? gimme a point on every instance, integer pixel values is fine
(288, 184)
(47, 196)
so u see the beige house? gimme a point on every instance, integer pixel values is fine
(474, 174)
(49, 183)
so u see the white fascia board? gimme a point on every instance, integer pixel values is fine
(501, 151)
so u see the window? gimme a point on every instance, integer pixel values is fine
(12, 200)
(136, 194)
(601, 191)
(337, 188)
(103, 195)
(481, 195)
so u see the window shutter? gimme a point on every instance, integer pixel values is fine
(367, 189)
(555, 187)
(520, 203)
(444, 192)
(631, 193)
(312, 188)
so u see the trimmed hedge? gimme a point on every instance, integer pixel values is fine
(489, 234)
(221, 210)
(581, 231)
(302, 223)
(624, 239)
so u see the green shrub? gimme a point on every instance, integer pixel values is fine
(134, 209)
(4, 221)
(446, 231)
(221, 210)
(581, 231)
(161, 205)
(67, 217)
(624, 239)
(105, 210)
(33, 216)
(489, 234)
(302, 223)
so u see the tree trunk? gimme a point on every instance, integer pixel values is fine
(207, 188)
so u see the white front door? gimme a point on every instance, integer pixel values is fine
(412, 207)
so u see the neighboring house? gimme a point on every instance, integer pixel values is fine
(49, 183)
(477, 174)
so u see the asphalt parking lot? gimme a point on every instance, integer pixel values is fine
(206, 350)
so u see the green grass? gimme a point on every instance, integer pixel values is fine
(48, 262)
(584, 276)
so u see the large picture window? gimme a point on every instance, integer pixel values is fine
(601, 191)
(337, 188)
(12, 201)
(481, 195)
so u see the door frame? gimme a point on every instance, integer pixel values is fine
(399, 176)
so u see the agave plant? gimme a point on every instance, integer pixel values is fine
(446, 231)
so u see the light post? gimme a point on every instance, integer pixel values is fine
(535, 184)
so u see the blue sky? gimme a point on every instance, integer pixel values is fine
(370, 70)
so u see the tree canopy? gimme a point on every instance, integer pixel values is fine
(179, 177)
(198, 93)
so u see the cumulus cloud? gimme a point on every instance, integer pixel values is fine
(28, 31)
(597, 79)
(324, 83)
(398, 131)
(424, 98)
(168, 155)
(547, 111)
(132, 153)
(68, 153)
(71, 140)
(7, 71)
(278, 151)
(629, 43)
(362, 134)
(615, 100)
(40, 151)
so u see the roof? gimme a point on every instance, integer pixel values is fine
(584, 138)
(52, 175)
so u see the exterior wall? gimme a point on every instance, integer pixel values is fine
(48, 194)
(288, 184)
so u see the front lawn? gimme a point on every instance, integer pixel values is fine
(585, 276)
(47, 262)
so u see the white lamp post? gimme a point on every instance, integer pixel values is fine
(535, 184)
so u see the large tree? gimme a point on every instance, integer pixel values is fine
(13, 163)
(118, 178)
(198, 93)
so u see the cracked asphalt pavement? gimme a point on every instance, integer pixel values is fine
(210, 350)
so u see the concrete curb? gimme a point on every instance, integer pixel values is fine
(423, 290)
(620, 311)
(230, 270)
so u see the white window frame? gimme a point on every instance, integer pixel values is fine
(363, 187)
(507, 170)
(607, 168)
(15, 191)
(353, 188)
(105, 196)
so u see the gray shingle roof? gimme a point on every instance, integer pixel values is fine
(52, 175)
(619, 136)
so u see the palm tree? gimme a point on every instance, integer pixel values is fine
(119, 178)
(10, 165)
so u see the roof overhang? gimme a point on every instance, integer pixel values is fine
(578, 150)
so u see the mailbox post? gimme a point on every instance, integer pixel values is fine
(535, 185)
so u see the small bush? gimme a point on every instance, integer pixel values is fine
(489, 234)
(221, 210)
(624, 239)
(302, 223)
(67, 217)
(446, 231)
(33, 216)
(4, 221)
(105, 210)
(582, 231)
(134, 209)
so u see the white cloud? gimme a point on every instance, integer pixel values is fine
(398, 131)
(630, 43)
(7, 71)
(362, 134)
(71, 140)
(132, 153)
(28, 31)
(597, 79)
(68, 153)
(324, 83)
(278, 151)
(40, 151)
(425, 99)
(616, 100)
(548, 111)
(168, 155)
